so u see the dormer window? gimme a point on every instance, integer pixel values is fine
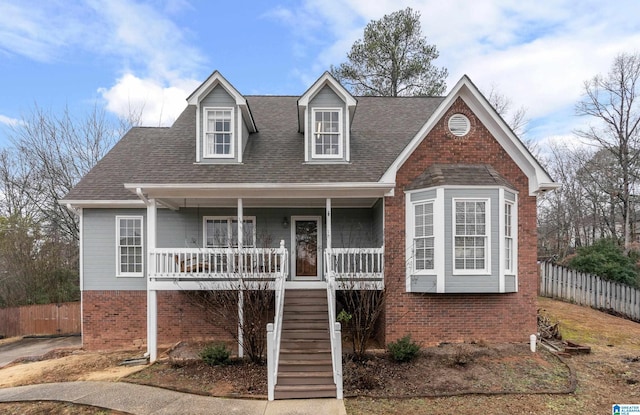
(218, 133)
(327, 133)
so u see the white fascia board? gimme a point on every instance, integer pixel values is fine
(264, 190)
(539, 179)
(103, 203)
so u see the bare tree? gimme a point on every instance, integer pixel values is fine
(516, 119)
(611, 101)
(50, 153)
(220, 307)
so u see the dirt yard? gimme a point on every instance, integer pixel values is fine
(610, 374)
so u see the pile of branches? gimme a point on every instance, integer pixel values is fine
(548, 330)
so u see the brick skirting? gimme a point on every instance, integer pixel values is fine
(118, 319)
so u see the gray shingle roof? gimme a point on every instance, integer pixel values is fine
(381, 128)
(459, 175)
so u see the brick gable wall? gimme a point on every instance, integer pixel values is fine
(118, 319)
(435, 318)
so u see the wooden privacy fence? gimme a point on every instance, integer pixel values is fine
(43, 319)
(588, 290)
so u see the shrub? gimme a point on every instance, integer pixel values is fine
(215, 354)
(404, 350)
(606, 259)
(462, 355)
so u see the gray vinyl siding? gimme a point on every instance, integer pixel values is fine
(471, 283)
(184, 228)
(378, 223)
(510, 284)
(245, 135)
(219, 98)
(423, 195)
(424, 284)
(326, 98)
(353, 228)
(99, 250)
(509, 196)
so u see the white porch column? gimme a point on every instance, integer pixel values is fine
(152, 299)
(328, 246)
(241, 291)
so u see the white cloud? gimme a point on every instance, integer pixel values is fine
(157, 104)
(11, 122)
(537, 53)
(151, 49)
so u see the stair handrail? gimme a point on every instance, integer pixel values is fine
(335, 331)
(274, 330)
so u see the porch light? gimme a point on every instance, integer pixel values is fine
(285, 222)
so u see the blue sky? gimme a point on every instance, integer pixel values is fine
(149, 55)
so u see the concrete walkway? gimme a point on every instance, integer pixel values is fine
(146, 400)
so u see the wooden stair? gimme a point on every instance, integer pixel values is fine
(305, 369)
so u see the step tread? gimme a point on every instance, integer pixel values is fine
(295, 388)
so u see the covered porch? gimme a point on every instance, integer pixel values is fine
(281, 237)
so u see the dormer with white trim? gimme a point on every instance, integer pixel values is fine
(223, 121)
(325, 112)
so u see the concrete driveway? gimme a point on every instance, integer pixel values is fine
(33, 347)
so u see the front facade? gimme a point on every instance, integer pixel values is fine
(430, 198)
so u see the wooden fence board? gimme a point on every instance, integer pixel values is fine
(588, 290)
(42, 319)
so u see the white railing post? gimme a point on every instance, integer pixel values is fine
(270, 362)
(337, 375)
(335, 333)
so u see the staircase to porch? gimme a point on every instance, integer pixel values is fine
(305, 368)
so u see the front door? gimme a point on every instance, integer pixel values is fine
(306, 234)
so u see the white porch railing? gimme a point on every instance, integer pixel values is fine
(356, 268)
(274, 330)
(335, 334)
(264, 263)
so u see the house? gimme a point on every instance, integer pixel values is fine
(430, 198)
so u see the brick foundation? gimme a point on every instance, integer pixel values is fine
(118, 319)
(435, 318)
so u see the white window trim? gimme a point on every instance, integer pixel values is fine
(129, 274)
(510, 270)
(430, 271)
(312, 134)
(487, 252)
(232, 127)
(229, 220)
(439, 236)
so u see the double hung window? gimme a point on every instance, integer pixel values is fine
(508, 237)
(327, 133)
(129, 246)
(222, 232)
(218, 132)
(423, 241)
(470, 235)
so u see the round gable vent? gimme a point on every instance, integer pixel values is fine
(459, 125)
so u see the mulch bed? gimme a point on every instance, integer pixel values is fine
(448, 369)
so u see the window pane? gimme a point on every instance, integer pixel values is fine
(130, 256)
(470, 235)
